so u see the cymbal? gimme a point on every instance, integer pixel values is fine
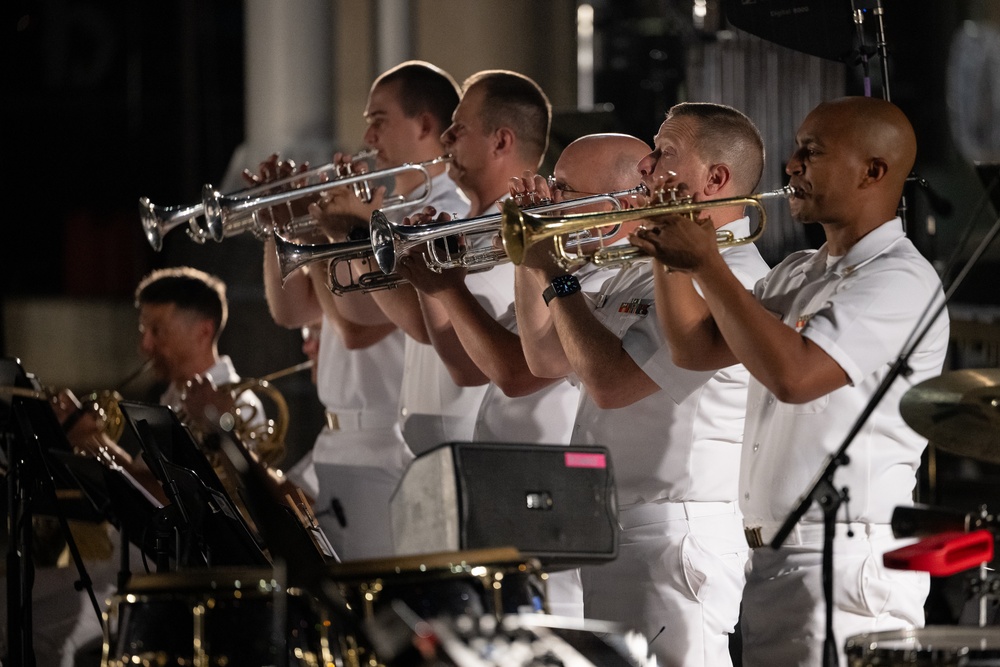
(958, 411)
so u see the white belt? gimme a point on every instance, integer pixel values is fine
(762, 533)
(646, 513)
(358, 420)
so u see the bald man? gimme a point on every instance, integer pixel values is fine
(674, 435)
(519, 406)
(818, 334)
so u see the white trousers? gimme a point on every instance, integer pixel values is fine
(357, 473)
(784, 614)
(564, 594)
(677, 579)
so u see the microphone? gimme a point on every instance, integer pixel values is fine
(941, 205)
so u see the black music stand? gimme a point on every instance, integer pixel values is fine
(30, 433)
(202, 522)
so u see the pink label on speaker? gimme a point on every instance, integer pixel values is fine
(585, 460)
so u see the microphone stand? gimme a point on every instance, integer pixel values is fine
(823, 490)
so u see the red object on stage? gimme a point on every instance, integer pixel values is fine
(945, 554)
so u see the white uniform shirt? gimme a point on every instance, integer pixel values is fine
(860, 312)
(680, 443)
(433, 409)
(546, 416)
(363, 380)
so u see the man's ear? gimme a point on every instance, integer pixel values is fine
(428, 126)
(877, 169)
(206, 329)
(503, 140)
(719, 176)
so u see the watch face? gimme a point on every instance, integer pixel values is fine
(566, 285)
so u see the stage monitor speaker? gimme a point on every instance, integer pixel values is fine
(823, 28)
(555, 503)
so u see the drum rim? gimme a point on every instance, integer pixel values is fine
(935, 640)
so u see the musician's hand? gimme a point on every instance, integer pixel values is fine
(424, 216)
(531, 189)
(413, 267)
(677, 241)
(540, 261)
(202, 403)
(84, 425)
(64, 404)
(346, 166)
(339, 211)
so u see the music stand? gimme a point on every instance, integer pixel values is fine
(30, 431)
(201, 505)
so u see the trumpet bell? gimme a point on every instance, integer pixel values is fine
(157, 221)
(519, 229)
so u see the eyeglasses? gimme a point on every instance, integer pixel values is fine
(567, 191)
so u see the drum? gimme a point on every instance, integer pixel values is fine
(940, 646)
(475, 582)
(217, 617)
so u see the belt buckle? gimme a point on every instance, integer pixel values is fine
(332, 422)
(755, 540)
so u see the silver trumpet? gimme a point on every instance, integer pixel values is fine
(239, 212)
(158, 221)
(390, 240)
(293, 256)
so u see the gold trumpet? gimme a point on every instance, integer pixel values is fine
(520, 229)
(390, 240)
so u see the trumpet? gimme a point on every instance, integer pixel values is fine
(239, 211)
(520, 229)
(230, 215)
(158, 221)
(390, 240)
(293, 256)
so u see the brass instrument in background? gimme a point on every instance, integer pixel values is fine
(266, 440)
(251, 209)
(521, 229)
(390, 240)
(102, 403)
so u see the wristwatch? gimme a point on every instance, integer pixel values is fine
(561, 286)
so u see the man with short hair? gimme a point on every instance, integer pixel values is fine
(818, 334)
(673, 434)
(360, 454)
(182, 312)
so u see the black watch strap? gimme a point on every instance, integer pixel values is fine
(561, 286)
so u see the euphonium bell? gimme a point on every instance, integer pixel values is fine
(520, 229)
(265, 437)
